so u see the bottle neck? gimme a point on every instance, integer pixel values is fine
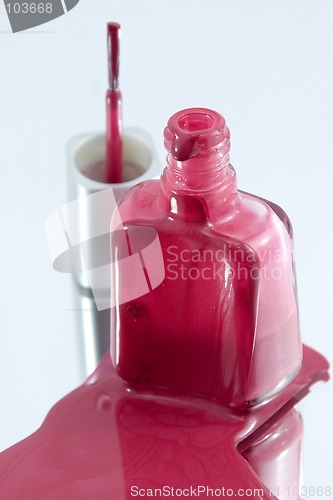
(198, 181)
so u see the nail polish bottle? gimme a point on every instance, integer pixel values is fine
(223, 324)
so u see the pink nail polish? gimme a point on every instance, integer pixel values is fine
(104, 441)
(224, 322)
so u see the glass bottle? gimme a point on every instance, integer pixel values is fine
(223, 323)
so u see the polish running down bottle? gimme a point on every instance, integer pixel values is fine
(223, 324)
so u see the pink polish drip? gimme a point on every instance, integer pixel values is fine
(224, 323)
(114, 142)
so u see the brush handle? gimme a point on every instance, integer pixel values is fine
(114, 140)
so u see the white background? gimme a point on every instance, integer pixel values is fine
(266, 65)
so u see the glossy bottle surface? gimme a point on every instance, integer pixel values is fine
(223, 324)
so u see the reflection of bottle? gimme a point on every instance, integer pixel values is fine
(276, 456)
(223, 324)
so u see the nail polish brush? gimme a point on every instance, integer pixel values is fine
(101, 168)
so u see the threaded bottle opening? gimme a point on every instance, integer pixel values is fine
(196, 132)
(195, 122)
